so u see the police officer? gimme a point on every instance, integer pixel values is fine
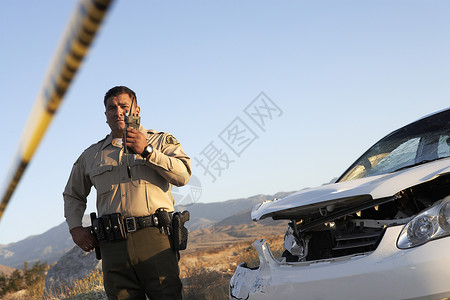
(135, 183)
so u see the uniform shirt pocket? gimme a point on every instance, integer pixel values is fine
(102, 179)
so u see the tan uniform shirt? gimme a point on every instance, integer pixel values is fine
(105, 166)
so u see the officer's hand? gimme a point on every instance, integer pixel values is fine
(136, 140)
(83, 237)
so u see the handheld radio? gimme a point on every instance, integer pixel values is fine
(133, 121)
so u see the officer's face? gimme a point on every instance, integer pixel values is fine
(116, 107)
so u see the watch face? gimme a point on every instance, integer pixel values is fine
(147, 151)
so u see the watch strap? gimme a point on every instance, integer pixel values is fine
(148, 150)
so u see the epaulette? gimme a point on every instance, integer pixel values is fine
(169, 139)
(151, 131)
(95, 144)
(103, 139)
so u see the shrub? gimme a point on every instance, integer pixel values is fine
(29, 280)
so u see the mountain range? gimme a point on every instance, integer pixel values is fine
(210, 224)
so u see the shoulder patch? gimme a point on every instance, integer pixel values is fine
(170, 139)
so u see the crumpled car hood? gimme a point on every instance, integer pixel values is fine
(330, 197)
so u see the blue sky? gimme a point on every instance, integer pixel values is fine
(342, 74)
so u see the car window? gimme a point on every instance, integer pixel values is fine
(444, 146)
(401, 156)
(419, 142)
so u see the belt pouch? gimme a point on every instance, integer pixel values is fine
(98, 229)
(179, 231)
(109, 236)
(117, 227)
(163, 218)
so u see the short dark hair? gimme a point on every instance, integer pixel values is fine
(119, 90)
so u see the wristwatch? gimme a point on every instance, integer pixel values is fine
(147, 151)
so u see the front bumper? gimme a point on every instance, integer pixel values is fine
(387, 273)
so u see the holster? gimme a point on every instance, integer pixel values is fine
(179, 231)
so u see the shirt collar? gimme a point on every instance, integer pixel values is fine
(109, 140)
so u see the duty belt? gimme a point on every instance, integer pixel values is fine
(135, 223)
(114, 227)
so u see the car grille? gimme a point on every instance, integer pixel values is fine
(346, 244)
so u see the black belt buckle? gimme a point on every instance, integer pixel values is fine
(131, 224)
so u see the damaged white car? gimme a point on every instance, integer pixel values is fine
(381, 231)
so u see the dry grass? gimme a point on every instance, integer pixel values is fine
(205, 273)
(35, 291)
(205, 284)
(89, 287)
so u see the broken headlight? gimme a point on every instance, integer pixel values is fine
(430, 224)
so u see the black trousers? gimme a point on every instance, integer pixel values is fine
(142, 265)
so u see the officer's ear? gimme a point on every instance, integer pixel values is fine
(138, 110)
